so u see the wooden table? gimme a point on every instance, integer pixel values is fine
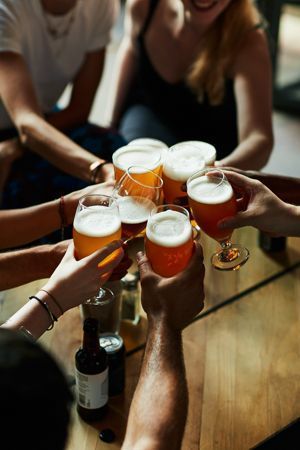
(242, 354)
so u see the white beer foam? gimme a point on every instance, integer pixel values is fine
(169, 229)
(207, 151)
(183, 162)
(97, 221)
(156, 143)
(135, 209)
(136, 155)
(209, 190)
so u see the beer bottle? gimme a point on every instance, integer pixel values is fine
(91, 373)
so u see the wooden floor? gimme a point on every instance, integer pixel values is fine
(242, 355)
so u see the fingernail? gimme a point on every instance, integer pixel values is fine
(139, 255)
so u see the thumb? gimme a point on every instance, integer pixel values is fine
(144, 265)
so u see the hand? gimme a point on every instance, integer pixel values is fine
(121, 270)
(106, 173)
(55, 255)
(175, 300)
(263, 209)
(71, 200)
(74, 281)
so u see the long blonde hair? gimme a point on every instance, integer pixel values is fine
(222, 42)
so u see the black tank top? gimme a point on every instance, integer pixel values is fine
(177, 106)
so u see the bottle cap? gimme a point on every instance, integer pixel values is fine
(130, 281)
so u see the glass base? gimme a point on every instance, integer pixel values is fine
(231, 258)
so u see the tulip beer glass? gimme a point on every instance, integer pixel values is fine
(211, 199)
(136, 199)
(169, 239)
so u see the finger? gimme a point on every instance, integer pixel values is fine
(241, 219)
(70, 252)
(144, 265)
(239, 181)
(101, 254)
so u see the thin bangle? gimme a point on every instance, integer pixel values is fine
(54, 300)
(47, 309)
(94, 169)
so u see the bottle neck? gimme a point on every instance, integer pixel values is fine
(91, 341)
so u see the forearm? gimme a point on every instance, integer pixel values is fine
(67, 118)
(159, 407)
(33, 316)
(251, 154)
(23, 266)
(42, 138)
(21, 226)
(286, 188)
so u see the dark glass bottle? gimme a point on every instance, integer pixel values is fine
(91, 374)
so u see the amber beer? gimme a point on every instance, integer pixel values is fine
(134, 213)
(94, 227)
(181, 161)
(211, 199)
(137, 155)
(169, 241)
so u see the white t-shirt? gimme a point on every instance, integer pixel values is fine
(53, 63)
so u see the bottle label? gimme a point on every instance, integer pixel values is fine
(92, 390)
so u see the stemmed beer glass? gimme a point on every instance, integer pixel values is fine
(137, 193)
(211, 199)
(96, 223)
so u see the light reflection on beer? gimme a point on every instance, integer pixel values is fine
(168, 241)
(181, 161)
(137, 155)
(94, 227)
(211, 199)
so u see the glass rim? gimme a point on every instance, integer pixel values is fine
(112, 200)
(130, 147)
(127, 173)
(170, 207)
(204, 171)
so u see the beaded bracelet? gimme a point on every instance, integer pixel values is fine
(47, 309)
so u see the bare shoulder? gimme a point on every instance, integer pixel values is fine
(253, 51)
(136, 14)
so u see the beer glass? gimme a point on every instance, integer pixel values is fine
(169, 239)
(181, 161)
(139, 155)
(211, 199)
(150, 142)
(207, 151)
(96, 223)
(136, 199)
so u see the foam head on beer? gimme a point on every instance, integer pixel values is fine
(182, 161)
(211, 199)
(136, 155)
(134, 212)
(207, 151)
(156, 143)
(94, 227)
(169, 242)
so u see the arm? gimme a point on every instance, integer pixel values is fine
(23, 266)
(286, 188)
(264, 210)
(34, 132)
(21, 226)
(158, 410)
(71, 282)
(126, 62)
(83, 93)
(253, 86)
